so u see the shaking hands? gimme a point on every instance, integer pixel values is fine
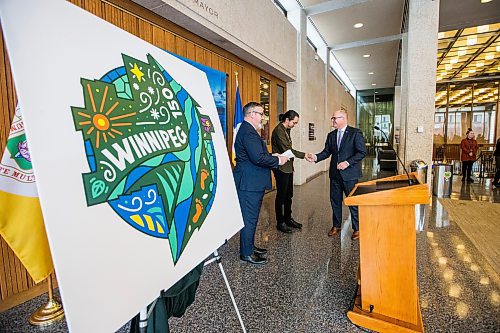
(310, 157)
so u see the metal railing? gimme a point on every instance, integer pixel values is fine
(484, 166)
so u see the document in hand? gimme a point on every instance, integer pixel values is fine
(288, 154)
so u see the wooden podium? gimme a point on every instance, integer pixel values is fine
(387, 294)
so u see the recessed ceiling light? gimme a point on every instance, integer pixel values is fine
(489, 57)
(483, 28)
(480, 64)
(453, 60)
(462, 51)
(358, 25)
(374, 84)
(440, 35)
(486, 1)
(366, 55)
(471, 71)
(448, 67)
(471, 40)
(371, 73)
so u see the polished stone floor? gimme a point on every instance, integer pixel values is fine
(310, 279)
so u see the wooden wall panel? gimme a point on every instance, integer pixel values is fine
(16, 286)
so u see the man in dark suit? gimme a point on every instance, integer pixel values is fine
(252, 176)
(346, 146)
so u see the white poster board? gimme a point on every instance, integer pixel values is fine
(132, 170)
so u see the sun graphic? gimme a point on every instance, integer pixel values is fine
(100, 122)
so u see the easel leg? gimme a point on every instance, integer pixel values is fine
(218, 259)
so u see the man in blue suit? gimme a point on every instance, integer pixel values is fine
(346, 146)
(252, 176)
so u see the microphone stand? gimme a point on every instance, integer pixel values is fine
(410, 182)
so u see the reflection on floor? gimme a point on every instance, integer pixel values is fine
(310, 279)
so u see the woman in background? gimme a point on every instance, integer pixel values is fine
(496, 153)
(469, 149)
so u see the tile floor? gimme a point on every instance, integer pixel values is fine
(309, 282)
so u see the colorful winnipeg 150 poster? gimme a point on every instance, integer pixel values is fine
(131, 165)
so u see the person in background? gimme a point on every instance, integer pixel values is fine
(469, 149)
(252, 176)
(346, 146)
(496, 153)
(281, 142)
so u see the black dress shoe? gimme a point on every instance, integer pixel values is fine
(259, 251)
(253, 259)
(294, 224)
(284, 228)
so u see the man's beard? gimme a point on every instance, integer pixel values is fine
(259, 126)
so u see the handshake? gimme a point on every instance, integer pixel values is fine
(310, 157)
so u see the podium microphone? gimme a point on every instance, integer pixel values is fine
(390, 146)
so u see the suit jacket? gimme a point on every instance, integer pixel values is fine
(253, 161)
(352, 149)
(281, 142)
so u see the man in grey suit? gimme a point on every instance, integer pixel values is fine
(252, 176)
(346, 146)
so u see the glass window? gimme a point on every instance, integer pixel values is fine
(280, 101)
(469, 105)
(265, 90)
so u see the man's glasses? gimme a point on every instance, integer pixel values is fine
(335, 118)
(261, 113)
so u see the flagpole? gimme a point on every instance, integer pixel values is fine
(49, 313)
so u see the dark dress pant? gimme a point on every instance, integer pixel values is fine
(497, 173)
(339, 187)
(250, 203)
(467, 169)
(284, 194)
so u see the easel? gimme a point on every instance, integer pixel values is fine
(145, 313)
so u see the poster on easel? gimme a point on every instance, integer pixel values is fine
(132, 170)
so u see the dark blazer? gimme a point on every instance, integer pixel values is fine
(281, 142)
(253, 161)
(352, 149)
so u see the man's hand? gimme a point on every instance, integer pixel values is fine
(342, 165)
(311, 157)
(283, 159)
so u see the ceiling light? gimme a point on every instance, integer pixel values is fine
(498, 48)
(462, 51)
(464, 75)
(448, 67)
(453, 61)
(371, 73)
(483, 28)
(366, 55)
(489, 57)
(440, 35)
(471, 40)
(471, 71)
(486, 1)
(374, 84)
(480, 64)
(358, 25)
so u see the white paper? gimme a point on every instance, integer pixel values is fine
(288, 154)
